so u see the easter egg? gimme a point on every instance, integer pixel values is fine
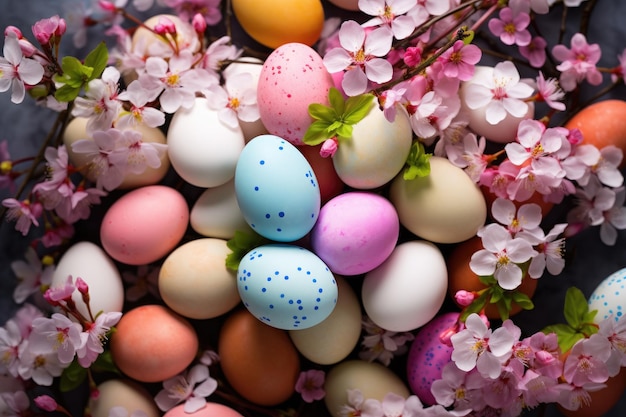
(209, 410)
(276, 189)
(443, 207)
(152, 343)
(407, 290)
(89, 262)
(276, 22)
(194, 280)
(286, 286)
(144, 225)
(355, 232)
(216, 212)
(372, 379)
(293, 76)
(122, 393)
(202, 149)
(377, 150)
(324, 170)
(333, 339)
(602, 124)
(258, 361)
(609, 297)
(428, 355)
(504, 131)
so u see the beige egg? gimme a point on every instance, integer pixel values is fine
(194, 281)
(334, 338)
(76, 130)
(377, 150)
(122, 393)
(444, 207)
(371, 378)
(216, 213)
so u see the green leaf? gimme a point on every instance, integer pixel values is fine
(344, 132)
(241, 244)
(576, 307)
(316, 133)
(66, 93)
(320, 112)
(72, 69)
(418, 162)
(504, 308)
(335, 99)
(97, 60)
(72, 376)
(469, 35)
(522, 300)
(104, 363)
(475, 307)
(588, 329)
(357, 108)
(566, 334)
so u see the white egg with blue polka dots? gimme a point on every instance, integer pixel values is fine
(286, 286)
(276, 189)
(609, 298)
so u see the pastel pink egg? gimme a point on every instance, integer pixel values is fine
(144, 225)
(209, 410)
(428, 355)
(355, 232)
(292, 77)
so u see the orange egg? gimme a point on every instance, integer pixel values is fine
(602, 401)
(602, 124)
(327, 178)
(461, 277)
(152, 343)
(260, 362)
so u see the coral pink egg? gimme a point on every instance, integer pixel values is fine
(144, 225)
(327, 178)
(209, 410)
(152, 343)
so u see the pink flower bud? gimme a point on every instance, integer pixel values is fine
(445, 336)
(107, 6)
(50, 299)
(61, 28)
(13, 30)
(46, 403)
(82, 286)
(199, 23)
(464, 298)
(165, 26)
(28, 49)
(544, 358)
(329, 147)
(412, 56)
(575, 136)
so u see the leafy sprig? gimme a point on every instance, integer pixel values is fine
(76, 75)
(241, 244)
(418, 162)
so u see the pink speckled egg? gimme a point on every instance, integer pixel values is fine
(355, 232)
(144, 225)
(209, 410)
(293, 76)
(428, 355)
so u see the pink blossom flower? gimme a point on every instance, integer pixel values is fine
(535, 143)
(380, 344)
(586, 361)
(217, 54)
(511, 27)
(144, 281)
(501, 93)
(592, 201)
(527, 218)
(432, 7)
(61, 293)
(535, 51)
(607, 167)
(23, 212)
(464, 298)
(550, 92)
(56, 334)
(108, 158)
(359, 406)
(478, 347)
(10, 340)
(31, 274)
(390, 13)
(95, 337)
(209, 357)
(139, 113)
(100, 104)
(503, 391)
(537, 388)
(42, 368)
(186, 9)
(192, 388)
(470, 156)
(24, 318)
(614, 218)
(620, 71)
(49, 31)
(140, 155)
(614, 330)
(578, 63)
(459, 389)
(395, 405)
(79, 205)
(460, 60)
(359, 55)
(547, 354)
(235, 101)
(17, 403)
(16, 71)
(501, 256)
(550, 251)
(310, 385)
(329, 147)
(412, 56)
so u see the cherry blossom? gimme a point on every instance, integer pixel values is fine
(380, 344)
(535, 51)
(550, 251)
(503, 391)
(310, 385)
(78, 207)
(139, 113)
(614, 218)
(218, 54)
(550, 92)
(592, 201)
(460, 60)
(501, 256)
(479, 347)
(458, 389)
(537, 144)
(100, 104)
(236, 100)
(140, 155)
(49, 31)
(390, 13)
(56, 334)
(586, 361)
(31, 274)
(547, 354)
(144, 281)
(607, 166)
(10, 340)
(527, 218)
(96, 336)
(620, 71)
(470, 156)
(578, 63)
(614, 330)
(186, 9)
(537, 388)
(42, 368)
(432, 7)
(45, 402)
(394, 405)
(209, 357)
(192, 388)
(359, 406)
(502, 93)
(17, 403)
(359, 55)
(23, 212)
(16, 71)
(62, 293)
(511, 27)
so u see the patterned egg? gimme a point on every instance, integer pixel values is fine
(428, 356)
(609, 298)
(276, 189)
(286, 286)
(293, 76)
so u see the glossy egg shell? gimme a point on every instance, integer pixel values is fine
(609, 297)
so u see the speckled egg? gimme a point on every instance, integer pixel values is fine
(293, 76)
(276, 189)
(609, 297)
(427, 356)
(356, 231)
(286, 286)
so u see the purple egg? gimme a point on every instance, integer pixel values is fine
(355, 232)
(428, 356)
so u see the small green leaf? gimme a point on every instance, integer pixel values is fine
(588, 329)
(72, 376)
(334, 126)
(320, 112)
(241, 244)
(469, 35)
(504, 308)
(72, 68)
(66, 93)
(316, 133)
(576, 307)
(97, 60)
(357, 108)
(344, 132)
(475, 307)
(418, 162)
(523, 300)
(335, 99)
(488, 280)
(104, 363)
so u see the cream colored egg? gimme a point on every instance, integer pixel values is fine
(122, 393)
(216, 213)
(194, 280)
(408, 289)
(76, 130)
(502, 132)
(334, 338)
(371, 378)
(91, 263)
(444, 207)
(377, 150)
(202, 149)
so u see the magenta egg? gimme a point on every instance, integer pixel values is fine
(355, 232)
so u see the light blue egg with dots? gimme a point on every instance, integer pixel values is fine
(277, 191)
(609, 298)
(286, 286)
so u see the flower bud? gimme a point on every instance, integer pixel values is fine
(199, 23)
(82, 286)
(46, 403)
(464, 298)
(13, 30)
(107, 6)
(329, 147)
(165, 26)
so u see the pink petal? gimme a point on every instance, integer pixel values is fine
(378, 70)
(378, 42)
(354, 82)
(337, 59)
(351, 36)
